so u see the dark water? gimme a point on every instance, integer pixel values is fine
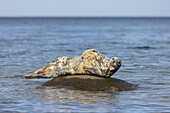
(143, 45)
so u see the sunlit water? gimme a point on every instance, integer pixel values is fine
(27, 44)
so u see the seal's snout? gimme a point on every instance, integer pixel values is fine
(115, 63)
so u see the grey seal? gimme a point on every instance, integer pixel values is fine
(91, 62)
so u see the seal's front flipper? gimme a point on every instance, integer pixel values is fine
(33, 75)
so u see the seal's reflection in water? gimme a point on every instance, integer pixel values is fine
(63, 95)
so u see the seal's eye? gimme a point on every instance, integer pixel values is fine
(94, 51)
(113, 58)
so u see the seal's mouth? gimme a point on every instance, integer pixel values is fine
(111, 67)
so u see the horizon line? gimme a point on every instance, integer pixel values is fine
(84, 16)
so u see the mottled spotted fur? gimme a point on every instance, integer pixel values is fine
(91, 62)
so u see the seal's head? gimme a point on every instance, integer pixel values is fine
(100, 64)
(115, 64)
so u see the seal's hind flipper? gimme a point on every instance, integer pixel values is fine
(33, 75)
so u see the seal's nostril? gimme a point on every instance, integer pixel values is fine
(119, 62)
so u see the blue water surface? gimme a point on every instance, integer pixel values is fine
(143, 45)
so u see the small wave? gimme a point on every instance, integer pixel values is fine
(2, 56)
(142, 47)
(64, 44)
(69, 50)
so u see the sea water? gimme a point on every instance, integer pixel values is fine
(142, 44)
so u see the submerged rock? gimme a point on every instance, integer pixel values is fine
(90, 83)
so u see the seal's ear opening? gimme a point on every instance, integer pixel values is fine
(88, 54)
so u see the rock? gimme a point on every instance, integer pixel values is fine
(90, 83)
